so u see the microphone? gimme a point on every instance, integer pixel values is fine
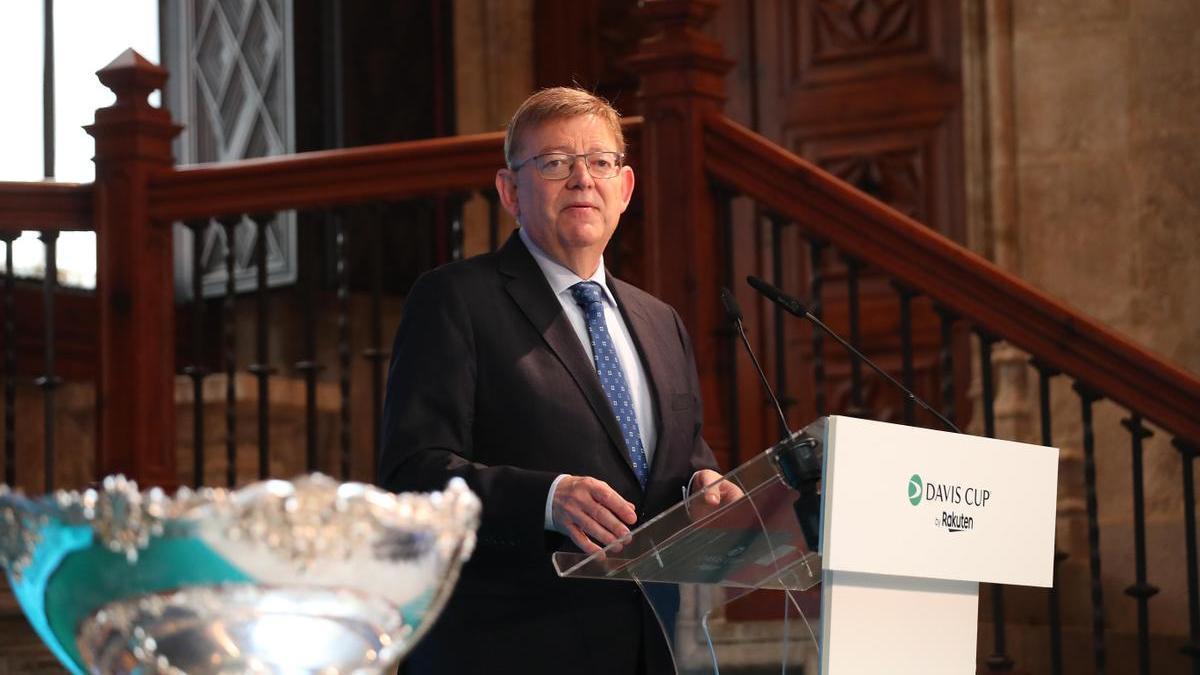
(799, 458)
(735, 316)
(794, 306)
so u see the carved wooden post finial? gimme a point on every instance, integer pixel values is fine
(132, 78)
(678, 57)
(135, 279)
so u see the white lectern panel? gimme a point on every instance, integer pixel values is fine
(915, 502)
(912, 520)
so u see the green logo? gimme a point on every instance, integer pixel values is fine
(915, 489)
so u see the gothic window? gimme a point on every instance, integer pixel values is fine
(231, 87)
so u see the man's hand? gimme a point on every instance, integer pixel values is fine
(724, 492)
(590, 512)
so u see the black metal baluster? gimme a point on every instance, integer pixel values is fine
(946, 362)
(10, 362)
(906, 356)
(998, 661)
(786, 401)
(857, 403)
(1141, 591)
(375, 355)
(229, 224)
(333, 134)
(723, 199)
(1087, 398)
(1192, 649)
(816, 283)
(261, 368)
(986, 342)
(1055, 618)
(343, 344)
(49, 381)
(308, 365)
(493, 200)
(197, 371)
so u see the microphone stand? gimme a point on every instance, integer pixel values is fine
(734, 312)
(799, 461)
(794, 307)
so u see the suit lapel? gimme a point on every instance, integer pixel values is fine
(528, 289)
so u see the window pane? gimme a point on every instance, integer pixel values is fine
(21, 113)
(88, 35)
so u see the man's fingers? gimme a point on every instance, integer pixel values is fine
(608, 520)
(595, 530)
(589, 511)
(731, 492)
(614, 503)
(581, 540)
(716, 490)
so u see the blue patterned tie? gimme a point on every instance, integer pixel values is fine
(612, 377)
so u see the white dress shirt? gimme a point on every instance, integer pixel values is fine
(561, 280)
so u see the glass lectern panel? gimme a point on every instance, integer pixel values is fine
(694, 559)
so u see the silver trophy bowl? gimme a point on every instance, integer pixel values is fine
(306, 576)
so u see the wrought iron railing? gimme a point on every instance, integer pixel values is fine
(967, 293)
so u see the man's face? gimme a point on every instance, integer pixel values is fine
(570, 219)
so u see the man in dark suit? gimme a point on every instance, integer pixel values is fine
(566, 398)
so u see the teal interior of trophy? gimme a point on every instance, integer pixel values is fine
(72, 575)
(415, 611)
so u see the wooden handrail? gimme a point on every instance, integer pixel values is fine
(327, 177)
(332, 177)
(46, 205)
(953, 276)
(303, 180)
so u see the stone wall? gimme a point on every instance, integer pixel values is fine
(1083, 157)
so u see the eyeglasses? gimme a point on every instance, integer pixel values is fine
(558, 165)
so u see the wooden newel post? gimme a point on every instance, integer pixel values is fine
(682, 74)
(135, 282)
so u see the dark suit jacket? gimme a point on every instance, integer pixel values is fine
(490, 382)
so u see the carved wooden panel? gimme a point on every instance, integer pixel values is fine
(907, 168)
(843, 28)
(895, 176)
(833, 40)
(870, 91)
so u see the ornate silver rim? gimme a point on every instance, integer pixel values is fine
(292, 518)
(314, 518)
